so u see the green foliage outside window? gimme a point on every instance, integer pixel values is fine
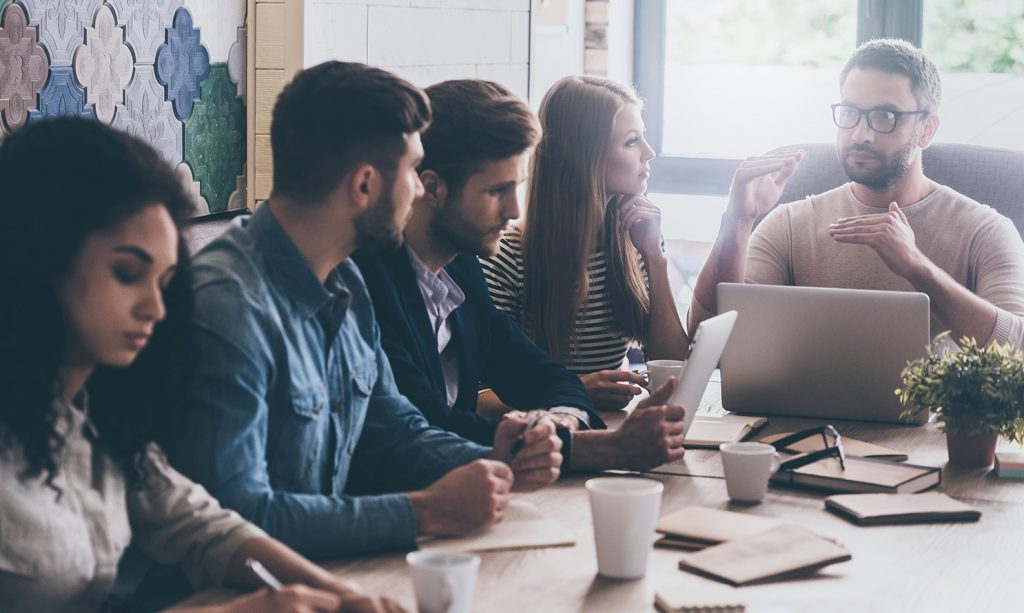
(975, 36)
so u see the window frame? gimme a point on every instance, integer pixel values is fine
(708, 176)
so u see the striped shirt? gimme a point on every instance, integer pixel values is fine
(598, 346)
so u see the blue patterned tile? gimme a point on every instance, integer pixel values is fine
(62, 97)
(182, 64)
(144, 22)
(147, 115)
(61, 25)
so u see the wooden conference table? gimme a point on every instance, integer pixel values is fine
(926, 567)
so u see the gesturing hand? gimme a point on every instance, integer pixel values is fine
(642, 219)
(758, 183)
(889, 234)
(654, 433)
(612, 389)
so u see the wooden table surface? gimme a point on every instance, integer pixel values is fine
(926, 567)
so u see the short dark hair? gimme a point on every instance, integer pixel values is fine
(335, 116)
(474, 122)
(896, 56)
(65, 180)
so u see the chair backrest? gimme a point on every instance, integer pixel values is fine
(990, 176)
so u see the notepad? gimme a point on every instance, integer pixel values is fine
(875, 509)
(522, 527)
(862, 475)
(780, 553)
(702, 597)
(710, 431)
(694, 528)
(851, 446)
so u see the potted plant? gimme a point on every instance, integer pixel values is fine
(976, 393)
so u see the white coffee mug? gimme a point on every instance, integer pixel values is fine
(659, 371)
(443, 580)
(747, 469)
(625, 511)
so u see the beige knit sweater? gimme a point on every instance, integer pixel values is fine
(977, 246)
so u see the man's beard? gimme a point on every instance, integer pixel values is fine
(376, 228)
(889, 171)
(451, 227)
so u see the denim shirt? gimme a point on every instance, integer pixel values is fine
(296, 406)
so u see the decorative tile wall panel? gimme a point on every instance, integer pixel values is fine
(62, 97)
(236, 62)
(60, 25)
(23, 67)
(147, 115)
(184, 172)
(215, 138)
(103, 65)
(182, 64)
(145, 22)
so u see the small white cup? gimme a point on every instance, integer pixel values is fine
(747, 469)
(443, 580)
(625, 511)
(659, 371)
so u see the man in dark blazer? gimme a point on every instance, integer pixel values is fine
(439, 328)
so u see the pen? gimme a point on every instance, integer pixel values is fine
(264, 575)
(517, 447)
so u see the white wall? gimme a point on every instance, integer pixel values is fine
(425, 41)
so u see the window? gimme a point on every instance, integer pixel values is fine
(979, 49)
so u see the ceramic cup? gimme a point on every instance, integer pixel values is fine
(443, 580)
(747, 469)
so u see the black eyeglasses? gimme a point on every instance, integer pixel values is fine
(882, 121)
(833, 448)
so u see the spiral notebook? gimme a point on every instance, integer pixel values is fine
(878, 509)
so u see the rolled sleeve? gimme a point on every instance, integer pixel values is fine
(176, 521)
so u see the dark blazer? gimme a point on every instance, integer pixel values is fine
(491, 348)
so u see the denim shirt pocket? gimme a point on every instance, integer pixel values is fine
(362, 382)
(300, 434)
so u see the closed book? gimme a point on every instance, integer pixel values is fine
(852, 447)
(877, 509)
(710, 431)
(698, 527)
(862, 475)
(780, 553)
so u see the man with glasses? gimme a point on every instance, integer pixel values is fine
(891, 227)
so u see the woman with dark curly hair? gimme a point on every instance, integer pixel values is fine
(94, 370)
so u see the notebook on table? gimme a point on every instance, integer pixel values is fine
(852, 446)
(694, 597)
(862, 475)
(780, 553)
(710, 431)
(694, 528)
(878, 509)
(523, 526)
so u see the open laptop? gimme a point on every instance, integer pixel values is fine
(820, 352)
(709, 341)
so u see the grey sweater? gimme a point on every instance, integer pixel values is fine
(977, 246)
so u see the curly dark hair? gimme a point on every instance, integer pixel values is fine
(64, 180)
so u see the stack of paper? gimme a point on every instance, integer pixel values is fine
(1010, 464)
(522, 527)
